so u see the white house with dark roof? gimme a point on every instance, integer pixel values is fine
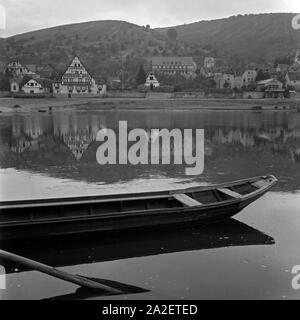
(151, 81)
(36, 86)
(76, 80)
(184, 66)
(249, 77)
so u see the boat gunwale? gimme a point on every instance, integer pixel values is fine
(52, 202)
(126, 214)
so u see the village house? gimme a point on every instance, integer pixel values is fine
(18, 70)
(227, 80)
(207, 73)
(224, 80)
(48, 72)
(249, 77)
(184, 66)
(76, 80)
(238, 81)
(272, 88)
(37, 86)
(209, 62)
(151, 81)
(293, 79)
(32, 68)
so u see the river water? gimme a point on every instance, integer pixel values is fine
(249, 257)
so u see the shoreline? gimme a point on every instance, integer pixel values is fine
(12, 105)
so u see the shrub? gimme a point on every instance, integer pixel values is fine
(164, 88)
(143, 88)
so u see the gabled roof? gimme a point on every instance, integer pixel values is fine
(32, 67)
(47, 68)
(267, 81)
(183, 60)
(42, 81)
(82, 63)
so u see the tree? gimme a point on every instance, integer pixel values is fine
(172, 34)
(261, 75)
(141, 76)
(5, 80)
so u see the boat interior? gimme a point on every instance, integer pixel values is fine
(98, 206)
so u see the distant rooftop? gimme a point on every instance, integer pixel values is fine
(169, 60)
(264, 82)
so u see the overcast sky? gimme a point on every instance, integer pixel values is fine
(27, 15)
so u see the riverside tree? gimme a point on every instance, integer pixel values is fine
(141, 76)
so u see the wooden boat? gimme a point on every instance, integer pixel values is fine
(63, 216)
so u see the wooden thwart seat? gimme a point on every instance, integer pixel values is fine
(186, 200)
(230, 193)
(259, 184)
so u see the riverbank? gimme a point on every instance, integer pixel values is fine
(8, 105)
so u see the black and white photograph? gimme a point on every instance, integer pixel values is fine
(149, 151)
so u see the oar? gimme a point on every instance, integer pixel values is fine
(75, 279)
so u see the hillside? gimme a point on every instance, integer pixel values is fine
(102, 45)
(250, 36)
(106, 47)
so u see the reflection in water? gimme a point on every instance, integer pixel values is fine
(55, 153)
(93, 249)
(237, 145)
(90, 250)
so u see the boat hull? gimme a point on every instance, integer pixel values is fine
(130, 221)
(85, 219)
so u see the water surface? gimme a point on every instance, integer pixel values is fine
(48, 155)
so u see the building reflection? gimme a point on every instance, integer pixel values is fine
(237, 144)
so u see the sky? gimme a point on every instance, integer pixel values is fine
(19, 16)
